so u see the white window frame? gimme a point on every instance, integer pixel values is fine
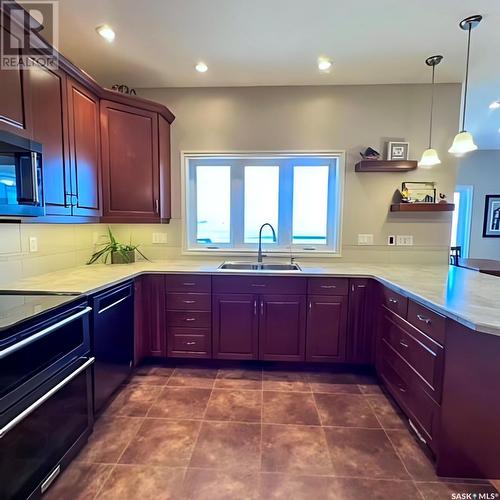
(335, 203)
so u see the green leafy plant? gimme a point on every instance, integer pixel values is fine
(113, 246)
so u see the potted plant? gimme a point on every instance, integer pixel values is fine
(120, 253)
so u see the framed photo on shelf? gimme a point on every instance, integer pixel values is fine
(491, 224)
(419, 192)
(398, 150)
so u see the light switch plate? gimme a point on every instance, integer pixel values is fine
(33, 244)
(365, 239)
(404, 240)
(159, 238)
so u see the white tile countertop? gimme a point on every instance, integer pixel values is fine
(469, 297)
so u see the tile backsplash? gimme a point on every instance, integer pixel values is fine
(62, 246)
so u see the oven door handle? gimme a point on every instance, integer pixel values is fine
(29, 340)
(39, 402)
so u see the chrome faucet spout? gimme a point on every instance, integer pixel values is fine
(259, 253)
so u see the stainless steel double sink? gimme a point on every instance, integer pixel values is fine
(258, 266)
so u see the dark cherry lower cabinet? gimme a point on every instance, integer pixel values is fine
(282, 327)
(326, 328)
(235, 326)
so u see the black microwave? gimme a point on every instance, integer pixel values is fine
(21, 192)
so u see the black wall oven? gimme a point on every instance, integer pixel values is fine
(45, 398)
(21, 192)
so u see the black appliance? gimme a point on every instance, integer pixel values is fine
(45, 389)
(21, 192)
(113, 340)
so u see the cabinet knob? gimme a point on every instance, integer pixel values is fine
(393, 301)
(190, 319)
(190, 343)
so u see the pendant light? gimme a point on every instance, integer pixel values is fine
(464, 142)
(430, 156)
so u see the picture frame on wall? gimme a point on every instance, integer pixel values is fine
(398, 150)
(491, 224)
(419, 192)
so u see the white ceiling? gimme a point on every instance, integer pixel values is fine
(277, 42)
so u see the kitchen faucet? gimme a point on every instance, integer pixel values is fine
(259, 253)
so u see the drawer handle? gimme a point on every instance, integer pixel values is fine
(416, 431)
(189, 301)
(402, 389)
(328, 286)
(259, 285)
(402, 343)
(425, 319)
(191, 343)
(190, 319)
(189, 283)
(393, 301)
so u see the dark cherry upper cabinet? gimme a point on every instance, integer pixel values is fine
(326, 328)
(282, 331)
(235, 326)
(360, 336)
(152, 323)
(131, 163)
(15, 105)
(50, 127)
(83, 106)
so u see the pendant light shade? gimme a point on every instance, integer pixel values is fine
(464, 142)
(430, 156)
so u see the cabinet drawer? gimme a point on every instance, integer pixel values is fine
(424, 355)
(189, 301)
(196, 319)
(422, 411)
(328, 286)
(259, 284)
(188, 283)
(395, 302)
(430, 322)
(189, 342)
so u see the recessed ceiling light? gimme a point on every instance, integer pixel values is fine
(106, 32)
(325, 64)
(201, 67)
(495, 105)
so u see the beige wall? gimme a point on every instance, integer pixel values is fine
(348, 118)
(481, 170)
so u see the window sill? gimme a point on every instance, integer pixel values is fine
(227, 252)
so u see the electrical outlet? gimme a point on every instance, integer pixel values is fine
(404, 240)
(159, 238)
(33, 244)
(391, 240)
(365, 239)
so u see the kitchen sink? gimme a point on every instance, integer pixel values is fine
(258, 266)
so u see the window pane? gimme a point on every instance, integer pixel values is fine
(261, 202)
(213, 201)
(455, 220)
(310, 205)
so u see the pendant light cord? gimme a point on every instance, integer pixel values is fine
(466, 78)
(432, 107)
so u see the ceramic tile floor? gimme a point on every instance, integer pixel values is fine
(252, 433)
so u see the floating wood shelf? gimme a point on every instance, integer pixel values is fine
(385, 165)
(422, 207)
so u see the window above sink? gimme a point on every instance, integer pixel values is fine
(227, 198)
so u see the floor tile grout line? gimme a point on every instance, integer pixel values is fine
(98, 492)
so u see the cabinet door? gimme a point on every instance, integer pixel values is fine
(49, 116)
(153, 329)
(282, 330)
(15, 106)
(85, 150)
(326, 328)
(360, 335)
(235, 326)
(130, 162)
